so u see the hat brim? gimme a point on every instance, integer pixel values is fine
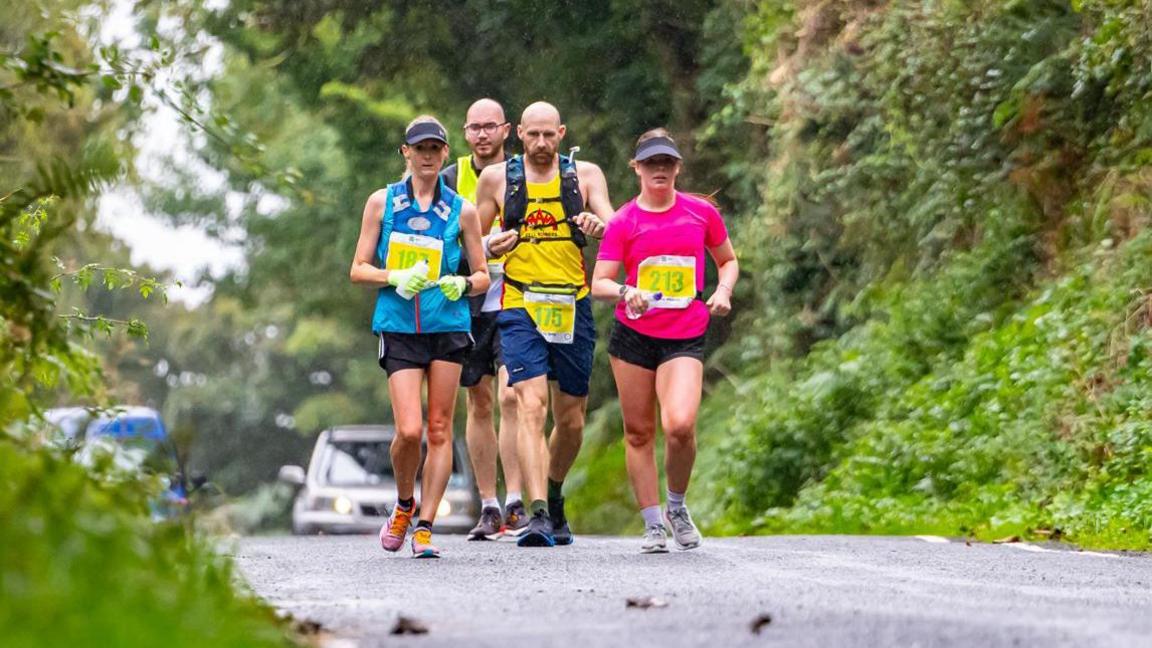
(424, 137)
(658, 149)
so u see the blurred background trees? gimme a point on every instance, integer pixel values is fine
(941, 212)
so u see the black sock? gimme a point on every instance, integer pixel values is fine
(554, 488)
(424, 524)
(537, 506)
(406, 504)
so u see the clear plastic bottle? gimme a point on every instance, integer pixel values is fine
(421, 267)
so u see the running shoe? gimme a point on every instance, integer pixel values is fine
(515, 519)
(684, 530)
(422, 544)
(655, 540)
(488, 528)
(539, 532)
(395, 529)
(561, 533)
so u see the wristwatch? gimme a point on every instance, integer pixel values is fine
(467, 285)
(623, 289)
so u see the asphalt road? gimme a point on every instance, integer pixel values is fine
(818, 591)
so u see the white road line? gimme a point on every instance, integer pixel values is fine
(933, 539)
(1096, 553)
(1024, 546)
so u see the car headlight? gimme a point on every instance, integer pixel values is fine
(445, 509)
(342, 505)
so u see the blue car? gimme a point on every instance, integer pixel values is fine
(136, 439)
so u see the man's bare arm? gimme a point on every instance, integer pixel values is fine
(487, 187)
(595, 188)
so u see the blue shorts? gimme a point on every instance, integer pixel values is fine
(528, 355)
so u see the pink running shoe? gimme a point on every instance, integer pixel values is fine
(422, 544)
(395, 529)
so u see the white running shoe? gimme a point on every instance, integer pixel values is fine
(684, 530)
(655, 540)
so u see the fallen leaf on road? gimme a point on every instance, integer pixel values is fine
(759, 622)
(407, 625)
(645, 602)
(306, 626)
(1008, 540)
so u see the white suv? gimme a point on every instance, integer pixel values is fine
(350, 487)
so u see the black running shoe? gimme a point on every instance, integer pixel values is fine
(561, 533)
(488, 528)
(539, 533)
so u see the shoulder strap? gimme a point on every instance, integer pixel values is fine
(515, 193)
(388, 217)
(570, 197)
(447, 201)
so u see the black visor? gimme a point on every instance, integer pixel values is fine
(425, 131)
(656, 146)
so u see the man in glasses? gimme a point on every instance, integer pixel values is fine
(550, 207)
(485, 129)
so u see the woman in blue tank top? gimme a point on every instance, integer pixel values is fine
(412, 235)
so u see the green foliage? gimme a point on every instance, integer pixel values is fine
(1041, 425)
(933, 346)
(85, 566)
(83, 563)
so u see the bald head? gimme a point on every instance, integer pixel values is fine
(541, 131)
(483, 111)
(542, 113)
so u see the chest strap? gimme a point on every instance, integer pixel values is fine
(540, 287)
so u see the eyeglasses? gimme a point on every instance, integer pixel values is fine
(490, 127)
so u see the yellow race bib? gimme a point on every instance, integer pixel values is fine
(672, 276)
(406, 250)
(554, 315)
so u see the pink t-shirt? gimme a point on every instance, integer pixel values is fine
(690, 227)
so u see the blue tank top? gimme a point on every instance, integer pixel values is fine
(429, 311)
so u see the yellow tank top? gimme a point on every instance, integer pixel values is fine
(466, 181)
(534, 259)
(466, 178)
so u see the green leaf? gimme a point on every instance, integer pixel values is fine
(138, 329)
(84, 275)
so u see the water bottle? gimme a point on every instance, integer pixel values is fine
(654, 297)
(421, 268)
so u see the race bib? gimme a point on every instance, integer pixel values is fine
(672, 276)
(554, 315)
(406, 250)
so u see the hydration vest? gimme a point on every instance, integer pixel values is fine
(516, 198)
(429, 311)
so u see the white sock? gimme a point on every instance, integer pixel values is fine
(651, 516)
(675, 501)
(490, 502)
(511, 498)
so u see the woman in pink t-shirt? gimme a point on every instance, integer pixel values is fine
(657, 343)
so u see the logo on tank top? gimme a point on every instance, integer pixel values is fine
(541, 219)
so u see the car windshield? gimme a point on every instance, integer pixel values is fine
(142, 439)
(367, 463)
(356, 463)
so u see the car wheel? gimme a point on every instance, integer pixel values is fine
(303, 529)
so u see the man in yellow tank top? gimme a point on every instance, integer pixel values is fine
(546, 327)
(485, 130)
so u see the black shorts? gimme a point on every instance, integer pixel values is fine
(418, 350)
(650, 352)
(486, 356)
